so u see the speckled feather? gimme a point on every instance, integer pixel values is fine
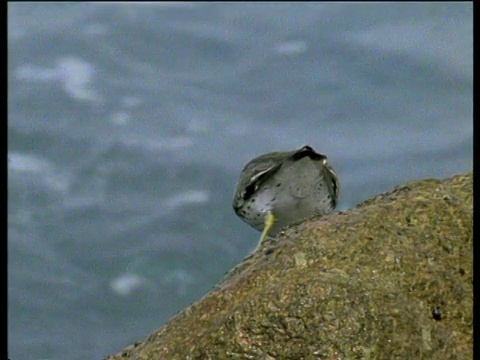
(289, 185)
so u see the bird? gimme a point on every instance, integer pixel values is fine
(279, 189)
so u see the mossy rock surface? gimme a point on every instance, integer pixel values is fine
(389, 279)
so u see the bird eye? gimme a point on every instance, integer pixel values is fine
(249, 190)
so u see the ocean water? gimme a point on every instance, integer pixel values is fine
(128, 125)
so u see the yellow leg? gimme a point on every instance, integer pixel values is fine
(269, 221)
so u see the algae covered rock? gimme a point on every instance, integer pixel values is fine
(389, 279)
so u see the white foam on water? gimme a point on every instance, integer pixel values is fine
(187, 198)
(131, 101)
(126, 284)
(120, 118)
(26, 164)
(440, 43)
(75, 74)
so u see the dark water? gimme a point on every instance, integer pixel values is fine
(129, 124)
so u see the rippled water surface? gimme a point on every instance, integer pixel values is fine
(128, 125)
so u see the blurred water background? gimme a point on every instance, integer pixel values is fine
(128, 125)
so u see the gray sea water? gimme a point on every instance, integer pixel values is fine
(128, 125)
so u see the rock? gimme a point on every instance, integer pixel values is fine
(389, 279)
